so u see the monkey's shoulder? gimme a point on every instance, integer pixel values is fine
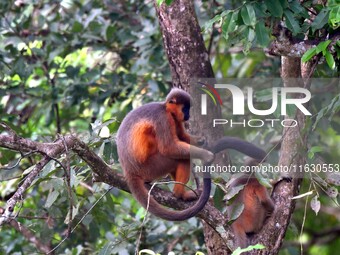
(145, 117)
(148, 111)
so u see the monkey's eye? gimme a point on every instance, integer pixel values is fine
(172, 101)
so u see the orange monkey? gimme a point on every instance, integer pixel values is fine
(153, 143)
(258, 205)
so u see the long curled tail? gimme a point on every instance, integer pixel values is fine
(140, 192)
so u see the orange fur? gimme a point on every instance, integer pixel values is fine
(182, 174)
(152, 143)
(144, 143)
(175, 111)
(257, 207)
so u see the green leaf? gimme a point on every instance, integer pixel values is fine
(261, 10)
(333, 3)
(330, 60)
(262, 34)
(209, 23)
(106, 250)
(308, 54)
(265, 182)
(233, 192)
(274, 8)
(236, 212)
(320, 20)
(229, 24)
(240, 251)
(296, 7)
(298, 10)
(315, 149)
(321, 47)
(248, 15)
(167, 2)
(159, 2)
(291, 22)
(52, 197)
(251, 34)
(77, 27)
(284, 4)
(329, 108)
(110, 33)
(334, 17)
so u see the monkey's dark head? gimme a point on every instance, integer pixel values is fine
(178, 103)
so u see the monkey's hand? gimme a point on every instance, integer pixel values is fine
(197, 140)
(208, 157)
(191, 195)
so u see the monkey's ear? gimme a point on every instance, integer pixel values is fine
(173, 100)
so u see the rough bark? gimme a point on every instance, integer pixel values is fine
(292, 152)
(186, 53)
(103, 173)
(188, 59)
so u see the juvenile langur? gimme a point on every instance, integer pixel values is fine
(153, 143)
(258, 205)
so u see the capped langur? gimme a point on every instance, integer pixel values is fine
(258, 205)
(153, 143)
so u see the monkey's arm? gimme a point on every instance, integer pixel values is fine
(263, 196)
(170, 145)
(185, 137)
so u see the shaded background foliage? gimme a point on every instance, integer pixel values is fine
(66, 64)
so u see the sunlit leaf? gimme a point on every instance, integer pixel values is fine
(320, 20)
(330, 60)
(308, 54)
(248, 15)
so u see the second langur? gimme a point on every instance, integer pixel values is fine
(258, 205)
(153, 143)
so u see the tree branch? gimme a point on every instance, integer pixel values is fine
(103, 173)
(28, 234)
(293, 150)
(284, 45)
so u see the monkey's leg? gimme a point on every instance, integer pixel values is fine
(182, 175)
(240, 234)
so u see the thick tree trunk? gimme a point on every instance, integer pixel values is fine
(189, 59)
(292, 153)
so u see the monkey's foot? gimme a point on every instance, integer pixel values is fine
(191, 195)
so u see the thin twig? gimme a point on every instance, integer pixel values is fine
(68, 185)
(80, 221)
(6, 168)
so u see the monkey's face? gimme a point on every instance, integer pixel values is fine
(178, 103)
(186, 112)
(181, 112)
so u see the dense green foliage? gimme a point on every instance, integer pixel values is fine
(79, 66)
